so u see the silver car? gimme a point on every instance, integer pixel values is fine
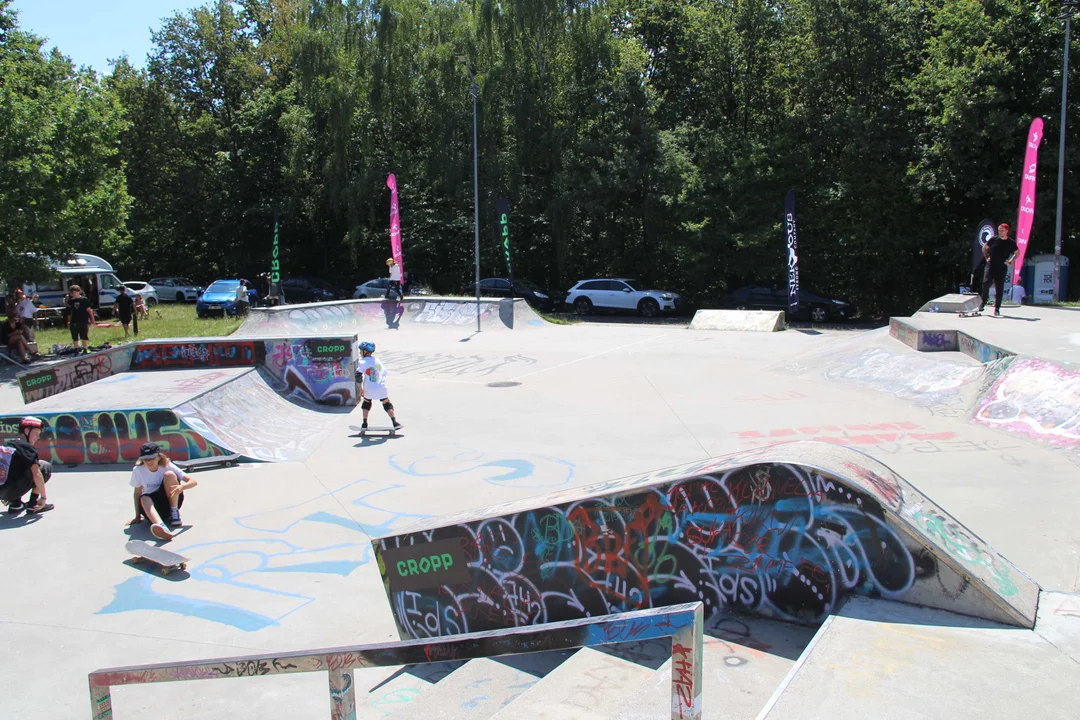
(372, 289)
(145, 289)
(176, 289)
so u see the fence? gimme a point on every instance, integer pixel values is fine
(682, 623)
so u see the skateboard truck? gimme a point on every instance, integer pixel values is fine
(362, 431)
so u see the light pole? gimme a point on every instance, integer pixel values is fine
(474, 90)
(1068, 6)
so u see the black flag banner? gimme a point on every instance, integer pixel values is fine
(792, 253)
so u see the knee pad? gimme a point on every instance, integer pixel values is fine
(366, 405)
(387, 405)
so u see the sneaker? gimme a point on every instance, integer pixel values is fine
(40, 508)
(397, 425)
(997, 313)
(175, 521)
(161, 532)
(363, 425)
(16, 507)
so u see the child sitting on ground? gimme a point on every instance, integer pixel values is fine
(159, 490)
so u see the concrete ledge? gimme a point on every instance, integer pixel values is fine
(740, 320)
(952, 303)
(923, 339)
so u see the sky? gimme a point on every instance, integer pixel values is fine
(92, 32)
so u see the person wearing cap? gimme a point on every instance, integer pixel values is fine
(999, 252)
(22, 471)
(159, 490)
(371, 383)
(393, 289)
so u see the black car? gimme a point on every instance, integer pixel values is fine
(308, 290)
(812, 307)
(501, 287)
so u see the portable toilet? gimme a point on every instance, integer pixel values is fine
(1038, 278)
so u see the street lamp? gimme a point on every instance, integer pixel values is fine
(474, 90)
(1068, 7)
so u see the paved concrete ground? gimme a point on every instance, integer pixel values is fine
(280, 552)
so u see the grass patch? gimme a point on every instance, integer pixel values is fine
(555, 320)
(166, 321)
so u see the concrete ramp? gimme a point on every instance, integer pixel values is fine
(250, 417)
(952, 303)
(739, 320)
(787, 531)
(359, 316)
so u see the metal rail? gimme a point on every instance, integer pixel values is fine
(684, 624)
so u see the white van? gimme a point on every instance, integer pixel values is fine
(93, 274)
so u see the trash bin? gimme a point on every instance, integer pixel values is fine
(1037, 276)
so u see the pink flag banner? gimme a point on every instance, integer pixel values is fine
(395, 224)
(1027, 195)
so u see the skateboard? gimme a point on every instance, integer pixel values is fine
(208, 462)
(168, 561)
(973, 313)
(390, 431)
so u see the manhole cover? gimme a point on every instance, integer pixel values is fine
(509, 383)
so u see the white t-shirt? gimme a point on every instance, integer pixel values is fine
(151, 481)
(374, 377)
(26, 309)
(1018, 294)
(395, 273)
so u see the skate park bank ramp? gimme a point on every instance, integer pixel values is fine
(786, 531)
(191, 414)
(358, 316)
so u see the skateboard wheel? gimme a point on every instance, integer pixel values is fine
(183, 566)
(136, 560)
(165, 571)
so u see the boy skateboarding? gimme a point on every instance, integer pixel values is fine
(159, 490)
(371, 383)
(22, 471)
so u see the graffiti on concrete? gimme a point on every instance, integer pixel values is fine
(196, 354)
(982, 351)
(241, 582)
(921, 380)
(70, 374)
(437, 363)
(352, 316)
(113, 437)
(451, 313)
(780, 540)
(311, 379)
(531, 471)
(1036, 398)
(904, 333)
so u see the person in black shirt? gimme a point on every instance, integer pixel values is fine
(999, 252)
(125, 310)
(82, 314)
(22, 471)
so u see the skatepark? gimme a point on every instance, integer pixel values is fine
(929, 469)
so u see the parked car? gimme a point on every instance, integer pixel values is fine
(176, 289)
(148, 292)
(501, 287)
(308, 290)
(812, 307)
(372, 289)
(219, 298)
(620, 294)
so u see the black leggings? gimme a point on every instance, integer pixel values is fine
(997, 275)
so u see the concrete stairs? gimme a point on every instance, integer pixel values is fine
(745, 659)
(873, 658)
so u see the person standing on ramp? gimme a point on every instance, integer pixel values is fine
(371, 383)
(999, 252)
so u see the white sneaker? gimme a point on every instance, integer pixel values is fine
(161, 532)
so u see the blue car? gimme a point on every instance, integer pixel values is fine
(219, 298)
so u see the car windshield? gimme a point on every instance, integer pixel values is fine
(633, 284)
(183, 281)
(526, 285)
(223, 286)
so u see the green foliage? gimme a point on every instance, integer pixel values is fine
(62, 187)
(647, 138)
